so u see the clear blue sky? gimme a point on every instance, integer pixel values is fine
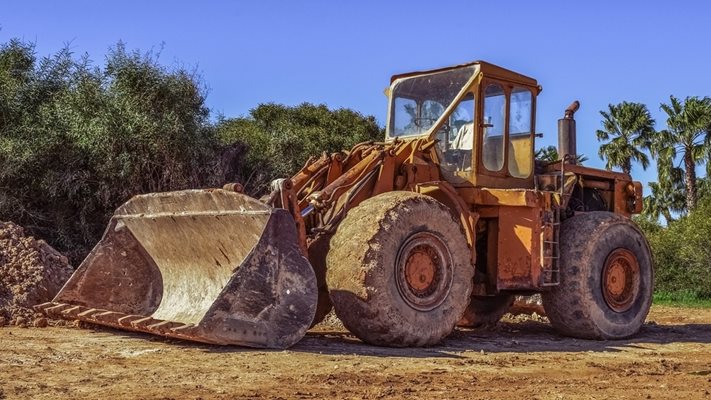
(343, 54)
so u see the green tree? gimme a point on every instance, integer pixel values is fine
(547, 154)
(77, 139)
(628, 129)
(687, 137)
(682, 254)
(276, 140)
(664, 199)
(550, 154)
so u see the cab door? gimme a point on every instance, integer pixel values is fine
(505, 136)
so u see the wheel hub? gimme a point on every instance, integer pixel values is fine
(421, 268)
(620, 280)
(423, 271)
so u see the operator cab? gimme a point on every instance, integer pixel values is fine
(482, 117)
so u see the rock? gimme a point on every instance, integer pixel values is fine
(40, 322)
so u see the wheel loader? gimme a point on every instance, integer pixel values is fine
(438, 225)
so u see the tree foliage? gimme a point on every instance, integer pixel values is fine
(78, 139)
(665, 199)
(550, 154)
(682, 253)
(628, 129)
(278, 140)
(687, 137)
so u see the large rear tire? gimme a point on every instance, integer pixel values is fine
(398, 270)
(606, 278)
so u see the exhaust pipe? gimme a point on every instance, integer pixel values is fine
(566, 134)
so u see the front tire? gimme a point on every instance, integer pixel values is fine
(399, 271)
(606, 278)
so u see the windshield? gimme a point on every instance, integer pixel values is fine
(419, 101)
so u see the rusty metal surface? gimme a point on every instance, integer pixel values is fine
(446, 194)
(519, 248)
(500, 197)
(638, 197)
(590, 172)
(206, 265)
(423, 271)
(622, 195)
(485, 67)
(620, 280)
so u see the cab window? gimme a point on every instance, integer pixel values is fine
(431, 110)
(404, 121)
(457, 138)
(520, 141)
(493, 123)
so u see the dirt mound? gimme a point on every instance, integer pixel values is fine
(31, 272)
(331, 321)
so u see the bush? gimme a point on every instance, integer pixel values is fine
(276, 140)
(78, 140)
(682, 253)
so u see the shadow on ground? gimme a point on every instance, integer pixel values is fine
(508, 337)
(522, 337)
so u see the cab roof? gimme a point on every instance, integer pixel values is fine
(486, 68)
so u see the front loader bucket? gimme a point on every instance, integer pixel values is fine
(207, 265)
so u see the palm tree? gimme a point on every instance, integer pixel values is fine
(629, 128)
(687, 136)
(547, 154)
(550, 154)
(666, 197)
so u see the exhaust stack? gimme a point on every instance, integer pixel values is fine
(566, 134)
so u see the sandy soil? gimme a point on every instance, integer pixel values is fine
(670, 358)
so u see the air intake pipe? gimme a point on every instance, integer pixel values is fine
(566, 134)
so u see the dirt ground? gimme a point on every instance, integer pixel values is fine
(670, 358)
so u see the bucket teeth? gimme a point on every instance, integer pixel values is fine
(143, 323)
(71, 312)
(43, 306)
(55, 309)
(183, 329)
(109, 317)
(139, 323)
(125, 321)
(164, 326)
(88, 313)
